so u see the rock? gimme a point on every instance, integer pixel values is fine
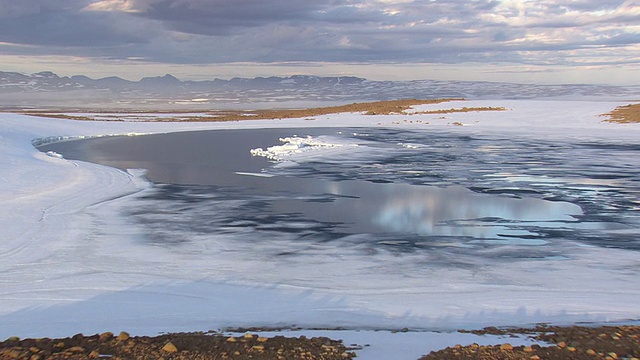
(231, 339)
(562, 344)
(170, 348)
(262, 339)
(94, 354)
(528, 349)
(76, 349)
(105, 336)
(123, 336)
(506, 347)
(534, 357)
(11, 354)
(258, 347)
(590, 352)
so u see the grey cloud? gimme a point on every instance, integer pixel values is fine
(63, 23)
(219, 17)
(351, 15)
(13, 8)
(594, 5)
(212, 31)
(64, 29)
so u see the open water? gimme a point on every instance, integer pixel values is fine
(398, 191)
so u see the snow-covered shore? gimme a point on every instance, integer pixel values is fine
(55, 281)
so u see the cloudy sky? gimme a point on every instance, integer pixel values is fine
(538, 41)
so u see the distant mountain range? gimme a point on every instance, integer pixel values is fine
(48, 90)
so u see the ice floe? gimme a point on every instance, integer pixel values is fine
(295, 146)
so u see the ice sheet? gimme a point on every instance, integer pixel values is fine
(57, 281)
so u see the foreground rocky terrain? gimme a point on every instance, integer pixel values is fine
(575, 342)
(174, 346)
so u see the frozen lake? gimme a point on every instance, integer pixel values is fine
(451, 200)
(514, 217)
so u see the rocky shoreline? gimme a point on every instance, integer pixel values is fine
(573, 342)
(179, 346)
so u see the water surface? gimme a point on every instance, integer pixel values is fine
(401, 191)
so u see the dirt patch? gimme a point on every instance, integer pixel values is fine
(461, 110)
(199, 346)
(624, 114)
(369, 108)
(575, 342)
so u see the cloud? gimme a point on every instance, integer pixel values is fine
(374, 31)
(50, 24)
(219, 17)
(112, 5)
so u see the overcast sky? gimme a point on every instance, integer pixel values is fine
(540, 41)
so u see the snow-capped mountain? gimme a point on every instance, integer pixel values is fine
(46, 89)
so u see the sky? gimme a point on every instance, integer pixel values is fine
(540, 41)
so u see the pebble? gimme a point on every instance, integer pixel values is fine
(170, 348)
(506, 347)
(76, 349)
(123, 336)
(13, 354)
(105, 336)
